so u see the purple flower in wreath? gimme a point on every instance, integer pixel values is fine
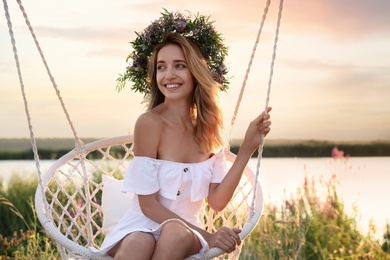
(179, 25)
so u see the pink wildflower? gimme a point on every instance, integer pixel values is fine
(336, 153)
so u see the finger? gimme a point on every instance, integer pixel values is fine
(226, 245)
(236, 230)
(235, 236)
(261, 119)
(229, 245)
(265, 113)
(231, 237)
(269, 109)
(265, 132)
(266, 124)
(237, 239)
(226, 241)
(265, 129)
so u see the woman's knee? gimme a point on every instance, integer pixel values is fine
(133, 243)
(177, 232)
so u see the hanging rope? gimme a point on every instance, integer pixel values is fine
(249, 67)
(16, 58)
(78, 143)
(260, 149)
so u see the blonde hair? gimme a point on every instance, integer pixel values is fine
(206, 113)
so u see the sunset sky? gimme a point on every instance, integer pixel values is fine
(331, 78)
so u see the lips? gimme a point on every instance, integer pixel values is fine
(172, 86)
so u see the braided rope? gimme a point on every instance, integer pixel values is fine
(16, 58)
(249, 68)
(77, 139)
(260, 149)
(78, 143)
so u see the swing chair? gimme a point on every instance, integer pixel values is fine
(71, 197)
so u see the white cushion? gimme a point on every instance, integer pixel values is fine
(114, 202)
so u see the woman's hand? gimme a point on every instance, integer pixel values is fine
(258, 127)
(226, 239)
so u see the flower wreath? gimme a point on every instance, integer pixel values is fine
(200, 30)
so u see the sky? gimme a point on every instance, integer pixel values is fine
(331, 77)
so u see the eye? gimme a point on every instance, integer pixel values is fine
(181, 65)
(160, 67)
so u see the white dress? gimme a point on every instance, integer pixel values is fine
(181, 188)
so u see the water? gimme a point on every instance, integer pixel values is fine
(364, 181)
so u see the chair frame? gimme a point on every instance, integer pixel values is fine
(70, 249)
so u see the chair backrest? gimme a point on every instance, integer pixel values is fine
(69, 205)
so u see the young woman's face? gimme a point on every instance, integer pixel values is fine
(173, 77)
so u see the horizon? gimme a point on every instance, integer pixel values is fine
(233, 140)
(331, 79)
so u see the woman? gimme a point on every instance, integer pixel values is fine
(179, 161)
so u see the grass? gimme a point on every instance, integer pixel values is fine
(310, 224)
(313, 225)
(28, 243)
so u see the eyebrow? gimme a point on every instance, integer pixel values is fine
(175, 61)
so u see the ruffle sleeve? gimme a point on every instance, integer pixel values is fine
(142, 176)
(220, 168)
(212, 171)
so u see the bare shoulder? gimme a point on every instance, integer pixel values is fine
(148, 121)
(147, 132)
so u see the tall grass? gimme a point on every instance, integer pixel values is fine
(20, 193)
(21, 235)
(310, 224)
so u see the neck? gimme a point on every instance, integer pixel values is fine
(177, 112)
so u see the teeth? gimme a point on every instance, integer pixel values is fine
(172, 86)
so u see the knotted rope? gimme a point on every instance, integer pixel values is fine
(260, 148)
(78, 143)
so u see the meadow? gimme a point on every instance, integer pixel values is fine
(310, 224)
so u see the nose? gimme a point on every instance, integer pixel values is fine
(170, 73)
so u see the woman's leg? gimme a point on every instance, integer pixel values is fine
(176, 241)
(138, 245)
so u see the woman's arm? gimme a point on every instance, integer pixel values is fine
(221, 193)
(147, 133)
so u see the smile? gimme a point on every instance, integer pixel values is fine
(172, 86)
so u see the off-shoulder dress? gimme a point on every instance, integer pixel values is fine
(182, 188)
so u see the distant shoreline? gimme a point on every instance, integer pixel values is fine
(54, 148)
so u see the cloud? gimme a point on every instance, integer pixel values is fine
(109, 52)
(347, 19)
(108, 36)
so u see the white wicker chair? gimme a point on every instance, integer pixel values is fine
(69, 203)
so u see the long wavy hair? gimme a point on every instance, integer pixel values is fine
(206, 114)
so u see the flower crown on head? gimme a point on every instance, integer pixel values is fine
(200, 30)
